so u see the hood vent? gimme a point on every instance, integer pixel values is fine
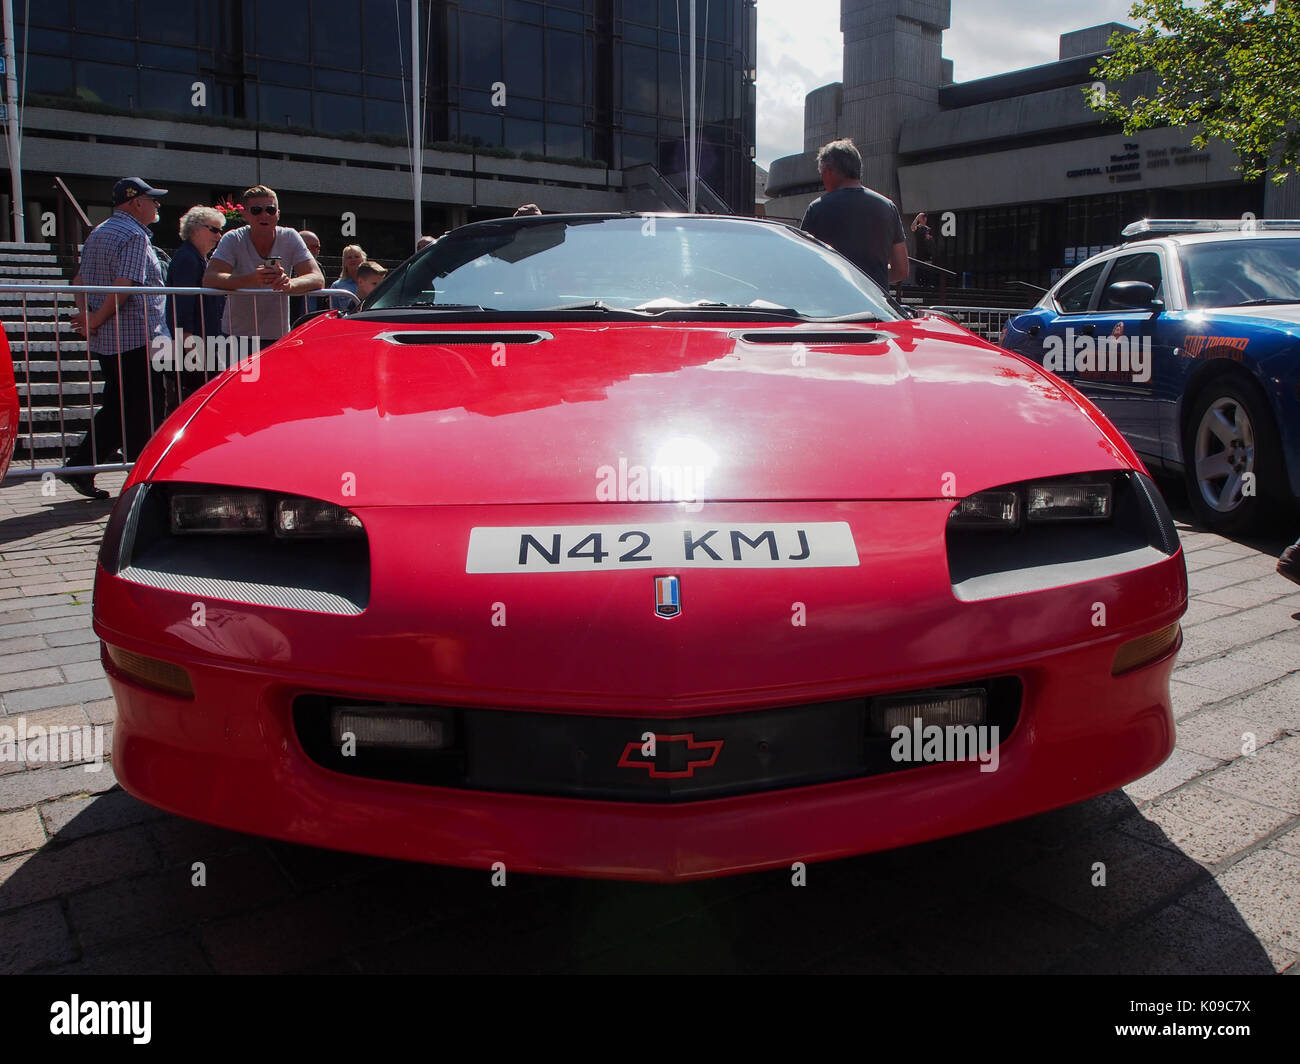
(806, 336)
(459, 338)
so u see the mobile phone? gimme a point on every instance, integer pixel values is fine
(273, 261)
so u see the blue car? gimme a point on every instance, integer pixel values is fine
(1188, 338)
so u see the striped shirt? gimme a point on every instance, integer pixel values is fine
(121, 247)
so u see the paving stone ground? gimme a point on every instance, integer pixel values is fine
(1202, 857)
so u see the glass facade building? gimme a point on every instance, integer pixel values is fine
(602, 80)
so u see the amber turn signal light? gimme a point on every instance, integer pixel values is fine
(1145, 649)
(151, 672)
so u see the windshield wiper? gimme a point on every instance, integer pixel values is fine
(1265, 302)
(444, 306)
(738, 308)
(861, 315)
(595, 304)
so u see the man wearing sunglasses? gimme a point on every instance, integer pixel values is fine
(262, 254)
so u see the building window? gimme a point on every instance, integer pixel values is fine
(335, 33)
(564, 73)
(113, 85)
(338, 113)
(640, 79)
(563, 142)
(168, 21)
(523, 49)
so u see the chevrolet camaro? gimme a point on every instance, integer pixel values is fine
(635, 546)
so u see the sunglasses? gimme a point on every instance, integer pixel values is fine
(255, 211)
(212, 229)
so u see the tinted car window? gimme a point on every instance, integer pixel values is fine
(632, 263)
(1142, 267)
(1076, 295)
(1233, 272)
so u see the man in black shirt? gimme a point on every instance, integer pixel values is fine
(863, 226)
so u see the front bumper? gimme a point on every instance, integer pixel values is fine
(232, 756)
(240, 765)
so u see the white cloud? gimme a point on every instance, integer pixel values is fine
(800, 48)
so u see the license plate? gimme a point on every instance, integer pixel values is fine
(670, 545)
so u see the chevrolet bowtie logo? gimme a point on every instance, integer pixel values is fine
(676, 757)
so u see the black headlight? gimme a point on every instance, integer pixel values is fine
(242, 545)
(1056, 531)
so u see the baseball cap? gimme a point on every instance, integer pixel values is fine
(130, 187)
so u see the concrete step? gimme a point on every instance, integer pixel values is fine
(34, 327)
(46, 347)
(28, 278)
(10, 313)
(27, 258)
(34, 298)
(53, 389)
(18, 245)
(42, 414)
(70, 368)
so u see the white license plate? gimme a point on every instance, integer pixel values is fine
(671, 545)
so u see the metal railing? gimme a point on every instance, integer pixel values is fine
(986, 322)
(153, 383)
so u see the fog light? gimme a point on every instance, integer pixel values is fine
(1144, 650)
(396, 728)
(958, 707)
(151, 672)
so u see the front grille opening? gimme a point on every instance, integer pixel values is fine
(695, 758)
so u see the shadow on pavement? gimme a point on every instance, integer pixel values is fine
(115, 891)
(57, 514)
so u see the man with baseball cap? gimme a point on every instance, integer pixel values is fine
(120, 329)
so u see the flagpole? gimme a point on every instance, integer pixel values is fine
(690, 162)
(417, 131)
(15, 145)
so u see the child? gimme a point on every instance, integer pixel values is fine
(369, 276)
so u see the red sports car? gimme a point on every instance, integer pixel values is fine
(635, 546)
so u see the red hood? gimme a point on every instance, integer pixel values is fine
(926, 410)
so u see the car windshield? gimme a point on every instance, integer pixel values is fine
(650, 263)
(1234, 273)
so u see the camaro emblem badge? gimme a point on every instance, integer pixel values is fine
(668, 596)
(675, 757)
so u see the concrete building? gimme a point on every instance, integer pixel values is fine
(571, 104)
(1020, 177)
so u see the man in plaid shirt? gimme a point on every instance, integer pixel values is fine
(120, 330)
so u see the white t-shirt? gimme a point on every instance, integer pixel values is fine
(272, 310)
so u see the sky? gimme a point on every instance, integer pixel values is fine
(800, 47)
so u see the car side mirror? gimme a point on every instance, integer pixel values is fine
(1136, 294)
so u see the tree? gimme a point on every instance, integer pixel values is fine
(1231, 66)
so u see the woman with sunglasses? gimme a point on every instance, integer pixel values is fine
(262, 255)
(198, 316)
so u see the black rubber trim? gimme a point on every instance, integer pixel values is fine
(115, 548)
